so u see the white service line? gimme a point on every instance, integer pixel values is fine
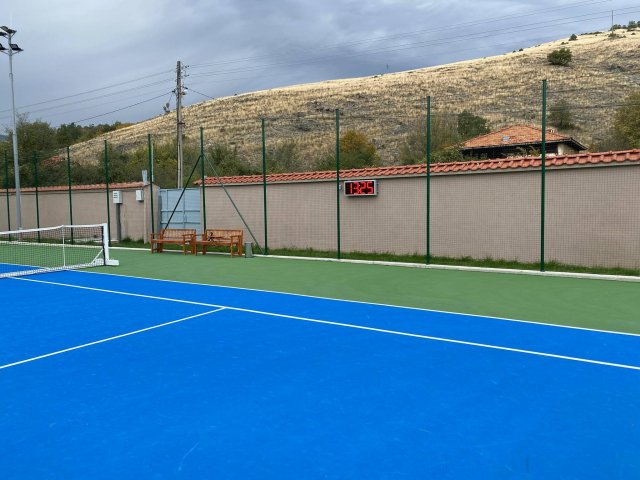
(349, 325)
(104, 340)
(403, 307)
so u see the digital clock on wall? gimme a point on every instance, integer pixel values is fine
(360, 188)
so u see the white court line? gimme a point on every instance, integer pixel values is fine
(104, 340)
(360, 302)
(348, 325)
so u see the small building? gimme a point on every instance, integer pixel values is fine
(519, 140)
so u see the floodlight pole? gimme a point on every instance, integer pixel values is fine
(11, 51)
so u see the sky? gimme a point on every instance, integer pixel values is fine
(104, 61)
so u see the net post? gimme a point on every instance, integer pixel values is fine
(6, 188)
(264, 187)
(543, 161)
(35, 178)
(69, 189)
(428, 167)
(150, 155)
(105, 243)
(338, 178)
(64, 247)
(204, 198)
(106, 182)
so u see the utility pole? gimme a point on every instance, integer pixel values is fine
(180, 122)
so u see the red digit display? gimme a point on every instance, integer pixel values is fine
(360, 188)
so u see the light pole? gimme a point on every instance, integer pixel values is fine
(11, 51)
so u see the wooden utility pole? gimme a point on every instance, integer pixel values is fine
(180, 122)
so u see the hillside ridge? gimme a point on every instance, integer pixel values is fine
(504, 89)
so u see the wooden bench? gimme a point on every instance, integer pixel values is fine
(175, 236)
(218, 237)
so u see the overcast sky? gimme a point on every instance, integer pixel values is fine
(100, 61)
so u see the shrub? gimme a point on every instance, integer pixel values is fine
(560, 116)
(356, 151)
(561, 57)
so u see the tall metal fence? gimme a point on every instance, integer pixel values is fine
(539, 177)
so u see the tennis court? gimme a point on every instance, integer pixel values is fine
(109, 376)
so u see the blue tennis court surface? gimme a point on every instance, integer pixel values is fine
(103, 376)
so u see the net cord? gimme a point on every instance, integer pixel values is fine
(48, 229)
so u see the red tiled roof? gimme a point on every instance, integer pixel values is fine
(93, 186)
(578, 159)
(514, 135)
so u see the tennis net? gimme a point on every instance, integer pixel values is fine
(27, 252)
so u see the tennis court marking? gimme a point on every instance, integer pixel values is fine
(360, 302)
(109, 339)
(310, 320)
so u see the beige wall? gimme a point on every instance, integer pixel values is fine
(592, 215)
(494, 215)
(89, 207)
(135, 216)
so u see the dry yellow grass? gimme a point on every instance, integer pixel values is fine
(505, 89)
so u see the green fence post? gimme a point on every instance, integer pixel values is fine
(150, 154)
(338, 177)
(204, 199)
(428, 153)
(106, 181)
(6, 188)
(543, 161)
(264, 188)
(35, 181)
(69, 189)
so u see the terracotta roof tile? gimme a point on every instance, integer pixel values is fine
(514, 135)
(626, 156)
(93, 186)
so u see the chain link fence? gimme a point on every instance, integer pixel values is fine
(541, 177)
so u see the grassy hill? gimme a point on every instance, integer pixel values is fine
(504, 89)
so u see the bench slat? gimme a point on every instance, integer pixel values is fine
(174, 236)
(222, 237)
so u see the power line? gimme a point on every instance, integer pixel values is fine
(91, 91)
(53, 115)
(428, 43)
(120, 109)
(55, 107)
(413, 33)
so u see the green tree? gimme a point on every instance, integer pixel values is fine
(444, 135)
(626, 124)
(165, 163)
(223, 160)
(356, 151)
(68, 134)
(561, 57)
(123, 166)
(283, 157)
(35, 136)
(470, 125)
(560, 116)
(448, 154)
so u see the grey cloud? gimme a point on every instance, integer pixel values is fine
(72, 47)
